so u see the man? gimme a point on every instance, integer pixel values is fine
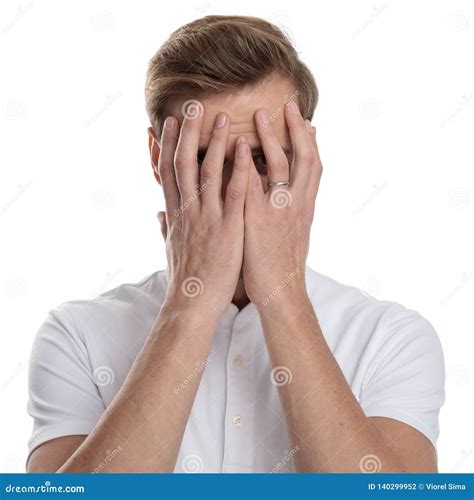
(238, 357)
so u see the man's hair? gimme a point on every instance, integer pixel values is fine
(219, 54)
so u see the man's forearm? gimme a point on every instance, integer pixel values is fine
(327, 426)
(148, 415)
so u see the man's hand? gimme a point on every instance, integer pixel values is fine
(204, 240)
(278, 221)
(204, 234)
(326, 423)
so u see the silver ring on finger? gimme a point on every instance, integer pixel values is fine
(278, 184)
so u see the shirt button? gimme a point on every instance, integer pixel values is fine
(237, 421)
(238, 361)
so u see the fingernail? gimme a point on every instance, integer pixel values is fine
(293, 107)
(221, 120)
(170, 122)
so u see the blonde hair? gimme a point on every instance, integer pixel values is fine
(218, 54)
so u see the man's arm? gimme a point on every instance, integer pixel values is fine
(147, 418)
(325, 420)
(204, 240)
(328, 427)
(51, 455)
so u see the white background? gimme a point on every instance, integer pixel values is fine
(394, 216)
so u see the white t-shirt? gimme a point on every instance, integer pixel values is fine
(391, 357)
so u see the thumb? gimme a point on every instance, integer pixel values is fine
(162, 220)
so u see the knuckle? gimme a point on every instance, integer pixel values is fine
(255, 182)
(181, 162)
(307, 156)
(240, 166)
(165, 166)
(234, 192)
(207, 172)
(166, 176)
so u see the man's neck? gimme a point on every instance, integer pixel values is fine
(240, 298)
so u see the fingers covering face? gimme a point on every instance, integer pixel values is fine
(185, 159)
(211, 169)
(237, 188)
(169, 140)
(181, 176)
(277, 163)
(306, 168)
(303, 153)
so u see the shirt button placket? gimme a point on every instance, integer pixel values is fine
(240, 392)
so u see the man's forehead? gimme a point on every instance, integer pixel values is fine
(241, 113)
(242, 121)
(240, 106)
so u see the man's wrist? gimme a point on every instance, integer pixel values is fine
(193, 308)
(284, 301)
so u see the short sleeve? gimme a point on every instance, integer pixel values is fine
(406, 380)
(63, 397)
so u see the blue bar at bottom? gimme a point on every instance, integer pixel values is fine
(237, 486)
